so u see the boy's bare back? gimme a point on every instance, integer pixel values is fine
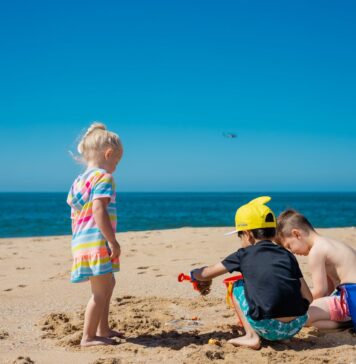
(331, 263)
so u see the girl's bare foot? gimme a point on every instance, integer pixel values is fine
(97, 340)
(112, 333)
(250, 341)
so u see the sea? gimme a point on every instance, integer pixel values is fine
(43, 214)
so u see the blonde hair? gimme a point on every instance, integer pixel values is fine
(291, 219)
(95, 139)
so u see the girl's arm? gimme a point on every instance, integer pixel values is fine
(102, 219)
(208, 273)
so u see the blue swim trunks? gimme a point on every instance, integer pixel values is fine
(269, 329)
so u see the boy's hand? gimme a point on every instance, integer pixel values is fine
(115, 249)
(204, 287)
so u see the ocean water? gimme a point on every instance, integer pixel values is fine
(41, 214)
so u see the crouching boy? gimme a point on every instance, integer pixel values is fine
(273, 298)
(332, 265)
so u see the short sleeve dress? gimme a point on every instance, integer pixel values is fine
(90, 250)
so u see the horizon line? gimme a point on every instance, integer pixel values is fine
(202, 192)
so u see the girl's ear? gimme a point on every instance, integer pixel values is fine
(108, 153)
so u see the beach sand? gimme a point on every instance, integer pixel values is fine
(42, 312)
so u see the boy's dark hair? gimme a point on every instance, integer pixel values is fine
(264, 233)
(291, 219)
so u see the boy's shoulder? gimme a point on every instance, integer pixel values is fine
(264, 246)
(319, 250)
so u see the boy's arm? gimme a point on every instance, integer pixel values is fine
(208, 273)
(305, 291)
(316, 262)
(102, 219)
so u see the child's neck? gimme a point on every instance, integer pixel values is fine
(258, 241)
(311, 239)
(96, 164)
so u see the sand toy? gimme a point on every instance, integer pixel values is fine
(229, 283)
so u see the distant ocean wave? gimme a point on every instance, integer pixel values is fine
(42, 214)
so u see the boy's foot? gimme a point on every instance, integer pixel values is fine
(97, 340)
(252, 342)
(111, 334)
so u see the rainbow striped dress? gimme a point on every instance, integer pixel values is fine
(90, 250)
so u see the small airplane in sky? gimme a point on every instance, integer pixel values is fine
(230, 135)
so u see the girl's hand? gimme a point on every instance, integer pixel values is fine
(115, 249)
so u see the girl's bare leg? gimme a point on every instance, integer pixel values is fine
(101, 286)
(103, 327)
(250, 339)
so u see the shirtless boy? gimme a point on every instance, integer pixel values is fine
(331, 264)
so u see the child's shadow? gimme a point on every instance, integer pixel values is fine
(176, 340)
(315, 340)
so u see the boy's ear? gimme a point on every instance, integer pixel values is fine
(296, 233)
(251, 238)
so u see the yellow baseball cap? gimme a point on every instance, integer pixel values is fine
(253, 215)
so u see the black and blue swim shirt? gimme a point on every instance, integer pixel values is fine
(271, 280)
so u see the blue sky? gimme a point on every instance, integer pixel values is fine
(171, 77)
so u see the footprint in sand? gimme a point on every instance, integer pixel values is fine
(62, 275)
(143, 267)
(8, 290)
(159, 275)
(141, 272)
(108, 361)
(194, 264)
(22, 285)
(23, 360)
(3, 334)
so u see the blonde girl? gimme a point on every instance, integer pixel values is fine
(95, 249)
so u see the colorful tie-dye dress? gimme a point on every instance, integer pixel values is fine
(90, 249)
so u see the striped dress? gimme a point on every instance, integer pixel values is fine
(90, 250)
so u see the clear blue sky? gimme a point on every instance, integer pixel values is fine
(170, 77)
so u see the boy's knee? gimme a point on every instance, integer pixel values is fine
(309, 322)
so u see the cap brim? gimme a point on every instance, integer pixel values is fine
(231, 233)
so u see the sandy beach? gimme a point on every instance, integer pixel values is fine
(163, 320)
